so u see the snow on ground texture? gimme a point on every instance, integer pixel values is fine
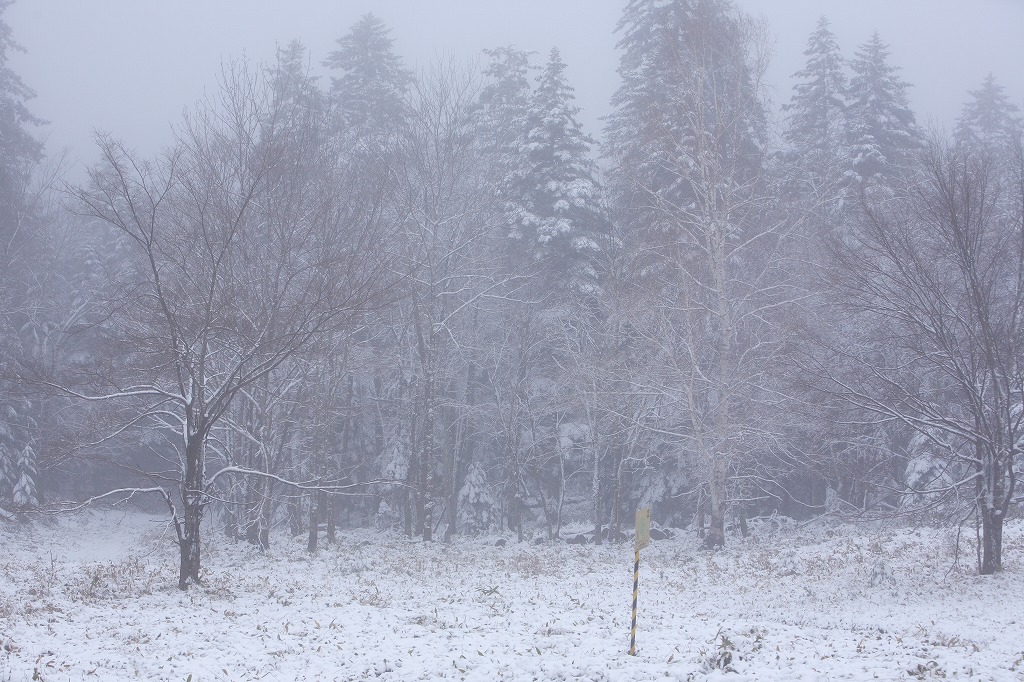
(94, 597)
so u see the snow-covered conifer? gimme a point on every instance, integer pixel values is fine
(477, 503)
(369, 92)
(19, 150)
(26, 492)
(8, 468)
(816, 113)
(505, 99)
(989, 118)
(503, 107)
(686, 67)
(291, 79)
(558, 218)
(883, 129)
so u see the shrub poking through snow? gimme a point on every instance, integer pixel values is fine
(721, 657)
(385, 518)
(789, 563)
(476, 501)
(881, 574)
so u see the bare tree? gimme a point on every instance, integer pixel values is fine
(244, 246)
(444, 240)
(933, 279)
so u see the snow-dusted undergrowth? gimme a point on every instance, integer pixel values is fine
(94, 597)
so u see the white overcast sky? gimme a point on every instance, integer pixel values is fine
(130, 67)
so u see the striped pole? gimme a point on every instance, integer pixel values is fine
(636, 590)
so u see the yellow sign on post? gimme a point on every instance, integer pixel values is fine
(643, 538)
(643, 528)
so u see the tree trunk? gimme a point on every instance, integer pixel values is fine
(314, 522)
(465, 451)
(266, 508)
(412, 495)
(561, 495)
(331, 512)
(192, 496)
(295, 524)
(615, 530)
(423, 468)
(231, 510)
(427, 462)
(991, 541)
(716, 528)
(518, 501)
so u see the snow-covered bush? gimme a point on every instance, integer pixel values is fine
(477, 503)
(26, 494)
(385, 518)
(789, 563)
(881, 574)
(8, 470)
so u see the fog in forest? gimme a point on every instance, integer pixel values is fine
(513, 270)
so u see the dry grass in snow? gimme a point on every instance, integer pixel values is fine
(94, 597)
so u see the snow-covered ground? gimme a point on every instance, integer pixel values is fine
(94, 597)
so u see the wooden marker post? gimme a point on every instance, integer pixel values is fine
(643, 538)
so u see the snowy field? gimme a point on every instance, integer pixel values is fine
(94, 597)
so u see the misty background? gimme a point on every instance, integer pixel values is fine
(130, 67)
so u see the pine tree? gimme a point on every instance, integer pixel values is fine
(883, 129)
(26, 492)
(8, 460)
(641, 133)
(19, 150)
(502, 111)
(292, 81)
(505, 99)
(673, 77)
(816, 113)
(989, 119)
(369, 94)
(559, 221)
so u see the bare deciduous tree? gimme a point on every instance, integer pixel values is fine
(444, 240)
(244, 245)
(934, 279)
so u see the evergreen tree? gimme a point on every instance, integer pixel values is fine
(369, 93)
(26, 492)
(816, 113)
(883, 129)
(503, 108)
(8, 455)
(559, 221)
(505, 100)
(292, 81)
(19, 150)
(673, 82)
(989, 119)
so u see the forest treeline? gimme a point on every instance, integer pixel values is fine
(349, 294)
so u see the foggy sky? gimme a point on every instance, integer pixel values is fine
(130, 67)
